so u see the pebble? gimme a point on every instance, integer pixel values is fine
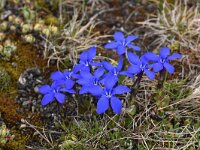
(14, 64)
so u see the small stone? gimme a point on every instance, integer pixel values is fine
(25, 103)
(38, 80)
(150, 8)
(52, 62)
(22, 80)
(36, 89)
(14, 64)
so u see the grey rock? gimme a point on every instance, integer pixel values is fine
(14, 64)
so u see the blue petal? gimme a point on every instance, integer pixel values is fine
(120, 64)
(151, 56)
(77, 68)
(57, 84)
(130, 38)
(67, 73)
(83, 56)
(157, 67)
(110, 82)
(104, 78)
(115, 77)
(119, 36)
(95, 90)
(144, 60)
(107, 66)
(126, 74)
(83, 90)
(69, 83)
(134, 69)
(45, 89)
(47, 99)
(60, 97)
(150, 74)
(71, 91)
(83, 81)
(174, 56)
(133, 58)
(99, 72)
(96, 64)
(137, 48)
(116, 105)
(102, 105)
(76, 76)
(111, 45)
(121, 49)
(120, 89)
(85, 68)
(57, 75)
(68, 90)
(91, 53)
(86, 74)
(164, 52)
(169, 67)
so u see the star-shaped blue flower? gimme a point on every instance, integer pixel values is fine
(90, 83)
(121, 43)
(86, 60)
(139, 65)
(163, 60)
(65, 77)
(54, 91)
(114, 71)
(108, 97)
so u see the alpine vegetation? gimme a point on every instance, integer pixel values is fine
(101, 79)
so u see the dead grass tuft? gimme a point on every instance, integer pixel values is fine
(175, 23)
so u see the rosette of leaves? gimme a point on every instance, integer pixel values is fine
(7, 50)
(5, 135)
(5, 79)
(2, 4)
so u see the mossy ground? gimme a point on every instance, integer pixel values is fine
(25, 57)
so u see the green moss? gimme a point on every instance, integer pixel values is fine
(51, 20)
(5, 79)
(18, 143)
(25, 57)
(8, 109)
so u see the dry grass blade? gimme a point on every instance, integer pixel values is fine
(75, 37)
(175, 23)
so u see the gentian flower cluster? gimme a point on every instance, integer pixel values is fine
(121, 43)
(101, 79)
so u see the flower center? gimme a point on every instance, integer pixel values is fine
(115, 71)
(108, 94)
(124, 43)
(143, 66)
(95, 82)
(68, 77)
(87, 63)
(55, 90)
(162, 60)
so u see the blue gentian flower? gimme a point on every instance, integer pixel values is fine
(90, 83)
(121, 43)
(163, 60)
(108, 97)
(54, 91)
(114, 71)
(139, 65)
(65, 77)
(86, 60)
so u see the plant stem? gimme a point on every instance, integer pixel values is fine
(162, 79)
(136, 84)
